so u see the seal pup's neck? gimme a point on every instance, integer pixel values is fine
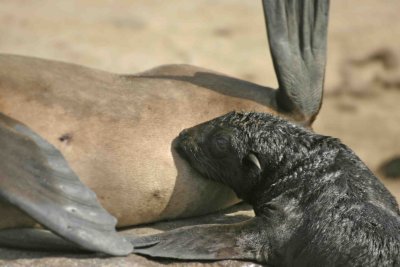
(299, 160)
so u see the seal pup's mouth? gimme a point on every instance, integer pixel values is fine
(181, 143)
(189, 150)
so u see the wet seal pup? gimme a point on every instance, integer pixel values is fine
(316, 202)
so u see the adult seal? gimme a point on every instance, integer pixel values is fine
(316, 202)
(114, 132)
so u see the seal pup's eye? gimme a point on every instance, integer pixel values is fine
(222, 143)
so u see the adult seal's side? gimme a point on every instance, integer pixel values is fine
(316, 203)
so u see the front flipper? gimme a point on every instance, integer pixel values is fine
(36, 239)
(207, 242)
(36, 178)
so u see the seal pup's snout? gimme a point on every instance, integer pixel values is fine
(190, 137)
(186, 137)
(185, 142)
(184, 134)
(191, 141)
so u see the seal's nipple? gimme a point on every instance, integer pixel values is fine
(65, 138)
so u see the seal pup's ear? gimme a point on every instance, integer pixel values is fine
(206, 242)
(36, 178)
(252, 158)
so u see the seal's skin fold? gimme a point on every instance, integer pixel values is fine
(316, 202)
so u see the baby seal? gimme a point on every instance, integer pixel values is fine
(316, 202)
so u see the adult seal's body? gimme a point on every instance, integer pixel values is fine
(114, 132)
(316, 202)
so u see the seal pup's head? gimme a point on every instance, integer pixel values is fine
(241, 149)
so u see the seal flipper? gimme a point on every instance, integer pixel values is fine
(207, 242)
(36, 239)
(36, 178)
(297, 33)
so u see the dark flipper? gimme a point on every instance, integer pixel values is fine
(35, 239)
(207, 242)
(36, 178)
(297, 33)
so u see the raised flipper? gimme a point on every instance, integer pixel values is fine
(36, 178)
(244, 240)
(297, 33)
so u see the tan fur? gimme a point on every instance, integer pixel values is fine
(116, 130)
(11, 217)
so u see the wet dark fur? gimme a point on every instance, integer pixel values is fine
(321, 205)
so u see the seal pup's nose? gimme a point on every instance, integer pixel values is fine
(183, 135)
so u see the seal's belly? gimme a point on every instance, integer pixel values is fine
(117, 132)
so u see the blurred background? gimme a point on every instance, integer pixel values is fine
(362, 96)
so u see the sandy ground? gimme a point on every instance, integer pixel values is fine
(362, 97)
